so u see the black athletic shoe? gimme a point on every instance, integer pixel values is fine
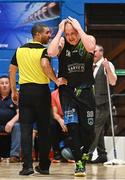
(26, 171)
(100, 159)
(90, 158)
(41, 171)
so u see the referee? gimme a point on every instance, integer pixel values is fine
(35, 73)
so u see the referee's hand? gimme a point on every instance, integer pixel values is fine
(15, 97)
(61, 81)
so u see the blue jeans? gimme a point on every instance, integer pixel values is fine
(15, 140)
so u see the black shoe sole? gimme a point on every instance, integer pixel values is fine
(26, 172)
(41, 171)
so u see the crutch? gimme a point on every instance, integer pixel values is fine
(115, 161)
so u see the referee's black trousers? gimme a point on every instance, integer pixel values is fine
(34, 105)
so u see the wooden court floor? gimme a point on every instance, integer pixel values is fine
(64, 171)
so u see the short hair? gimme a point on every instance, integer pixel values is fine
(4, 76)
(67, 22)
(37, 27)
(100, 46)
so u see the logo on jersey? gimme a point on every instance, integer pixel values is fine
(70, 112)
(90, 117)
(76, 67)
(68, 53)
(11, 105)
(70, 116)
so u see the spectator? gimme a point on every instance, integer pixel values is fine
(59, 131)
(35, 155)
(9, 117)
(102, 69)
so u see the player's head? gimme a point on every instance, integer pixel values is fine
(71, 34)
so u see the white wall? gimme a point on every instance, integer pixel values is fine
(120, 148)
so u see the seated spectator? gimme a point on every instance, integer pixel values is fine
(9, 124)
(35, 143)
(59, 133)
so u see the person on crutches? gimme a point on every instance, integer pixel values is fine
(102, 69)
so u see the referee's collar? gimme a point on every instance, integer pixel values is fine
(36, 42)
